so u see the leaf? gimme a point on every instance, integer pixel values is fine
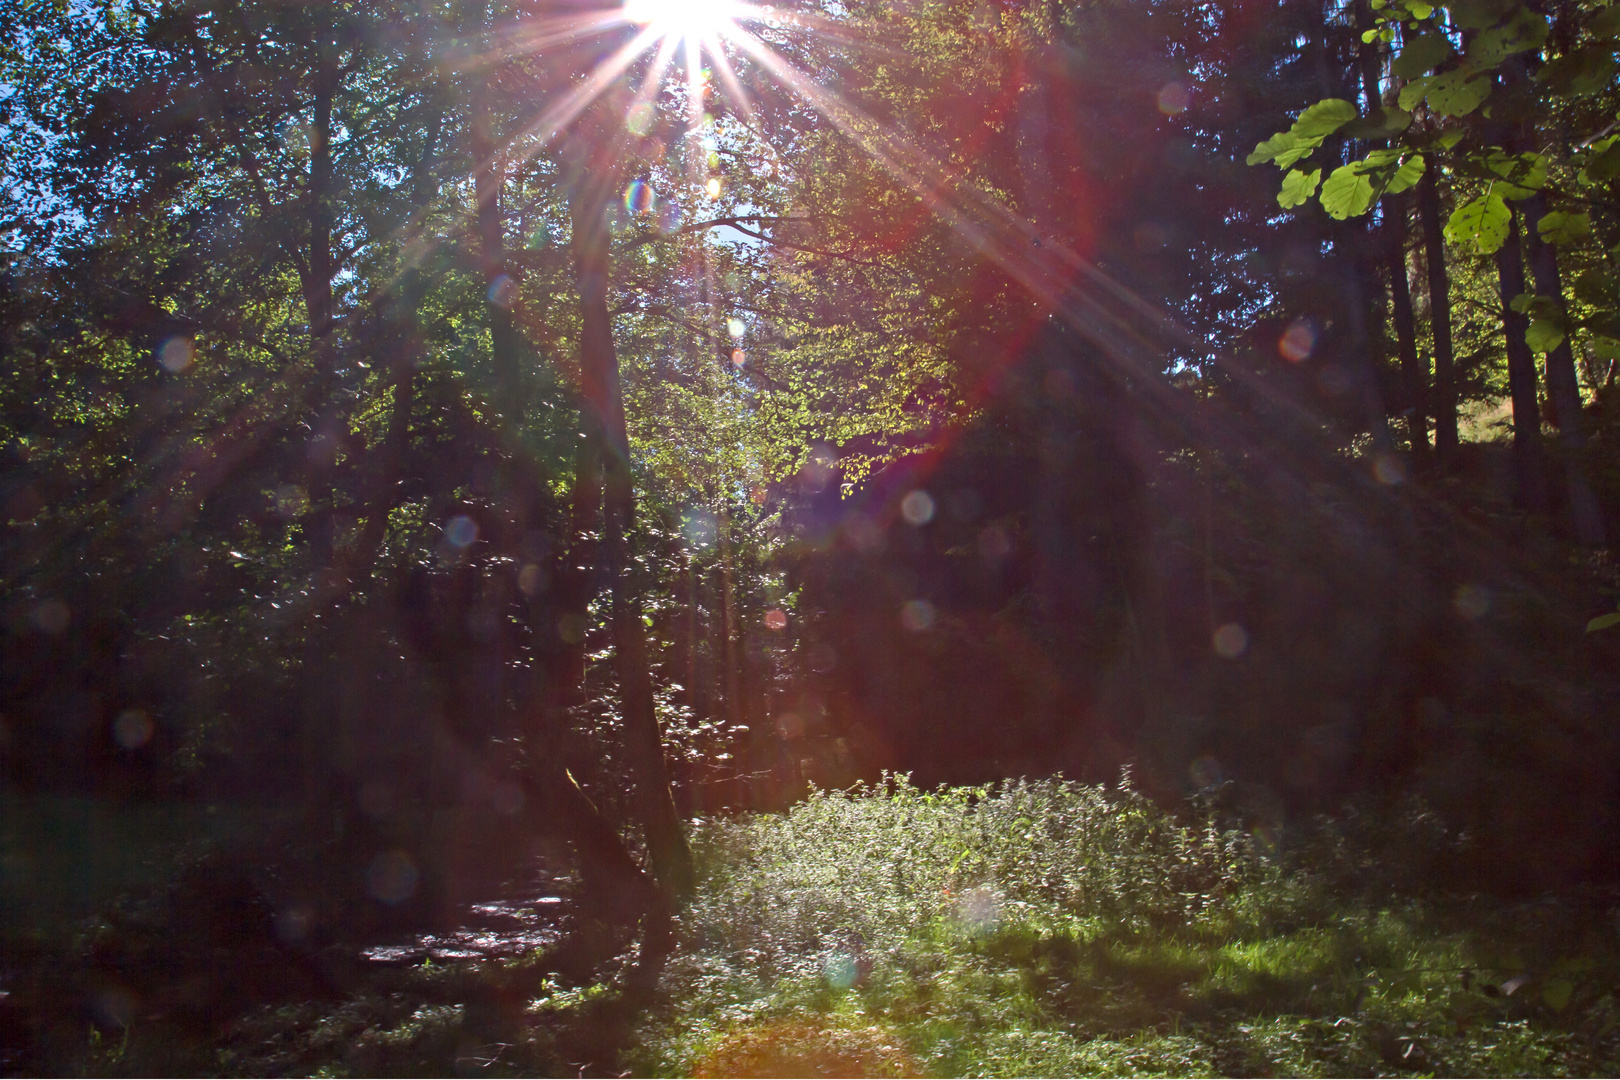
(1297, 187)
(1604, 165)
(1423, 52)
(1556, 993)
(1410, 172)
(1480, 223)
(1525, 30)
(1456, 93)
(1413, 93)
(1603, 622)
(1606, 23)
(1323, 119)
(1478, 14)
(1347, 193)
(1420, 10)
(1586, 70)
(1605, 348)
(1559, 227)
(1282, 143)
(1543, 335)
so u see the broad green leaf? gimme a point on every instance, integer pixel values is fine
(1603, 622)
(1297, 187)
(1543, 335)
(1557, 993)
(1525, 174)
(1323, 119)
(1605, 348)
(1420, 10)
(1379, 125)
(1368, 35)
(1456, 93)
(1587, 70)
(1480, 223)
(1348, 192)
(1604, 165)
(1450, 139)
(1413, 93)
(1478, 14)
(1410, 172)
(1560, 227)
(1525, 30)
(1423, 52)
(1284, 144)
(1606, 23)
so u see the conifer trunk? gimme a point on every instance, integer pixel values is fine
(1528, 464)
(1563, 386)
(1445, 379)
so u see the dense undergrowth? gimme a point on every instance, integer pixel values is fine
(1044, 928)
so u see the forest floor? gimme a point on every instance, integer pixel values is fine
(1026, 930)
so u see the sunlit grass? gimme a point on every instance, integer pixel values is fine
(1119, 942)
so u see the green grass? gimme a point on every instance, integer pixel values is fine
(1030, 929)
(1056, 930)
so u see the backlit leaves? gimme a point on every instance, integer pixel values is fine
(1480, 223)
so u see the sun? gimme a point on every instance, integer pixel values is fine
(690, 20)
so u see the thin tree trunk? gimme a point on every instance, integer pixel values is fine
(668, 853)
(1414, 374)
(1563, 386)
(1434, 258)
(1528, 464)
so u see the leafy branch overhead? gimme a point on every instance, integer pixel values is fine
(1454, 77)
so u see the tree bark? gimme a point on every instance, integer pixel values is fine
(1445, 379)
(668, 853)
(1529, 466)
(1414, 374)
(1563, 386)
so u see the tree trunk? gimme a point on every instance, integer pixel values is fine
(1528, 464)
(1563, 386)
(1414, 374)
(1445, 379)
(668, 853)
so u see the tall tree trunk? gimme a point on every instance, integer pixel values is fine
(501, 280)
(1563, 386)
(668, 853)
(1529, 466)
(1445, 379)
(1414, 374)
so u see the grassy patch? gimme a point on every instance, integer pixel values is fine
(1055, 930)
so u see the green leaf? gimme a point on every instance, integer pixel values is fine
(1606, 23)
(1543, 335)
(1586, 70)
(1604, 165)
(1525, 30)
(1478, 14)
(1603, 622)
(1480, 223)
(1297, 187)
(1323, 119)
(1368, 35)
(1410, 172)
(1413, 93)
(1347, 193)
(1423, 52)
(1556, 993)
(1420, 10)
(1559, 227)
(1456, 93)
(1450, 139)
(1278, 143)
(1605, 348)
